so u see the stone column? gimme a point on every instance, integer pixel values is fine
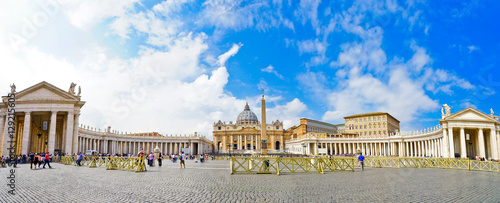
(69, 132)
(251, 142)
(412, 151)
(2, 129)
(75, 131)
(482, 152)
(407, 149)
(26, 132)
(336, 150)
(170, 147)
(202, 148)
(493, 144)
(463, 151)
(451, 145)
(426, 148)
(6, 137)
(498, 142)
(444, 147)
(417, 150)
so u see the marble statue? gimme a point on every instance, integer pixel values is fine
(12, 88)
(491, 110)
(447, 109)
(79, 90)
(72, 88)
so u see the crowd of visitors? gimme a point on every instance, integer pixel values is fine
(35, 159)
(150, 157)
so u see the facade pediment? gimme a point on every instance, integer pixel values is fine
(470, 114)
(45, 91)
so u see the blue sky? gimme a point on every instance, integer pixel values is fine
(178, 66)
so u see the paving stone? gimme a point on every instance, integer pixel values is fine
(212, 182)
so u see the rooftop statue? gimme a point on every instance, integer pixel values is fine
(12, 88)
(72, 88)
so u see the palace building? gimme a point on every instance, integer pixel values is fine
(47, 120)
(248, 135)
(368, 124)
(310, 125)
(465, 134)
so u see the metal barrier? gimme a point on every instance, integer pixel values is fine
(137, 164)
(269, 165)
(420, 162)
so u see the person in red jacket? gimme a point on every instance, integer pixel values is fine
(47, 160)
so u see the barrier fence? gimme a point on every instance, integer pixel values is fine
(271, 165)
(268, 165)
(111, 163)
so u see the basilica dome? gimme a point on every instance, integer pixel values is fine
(247, 116)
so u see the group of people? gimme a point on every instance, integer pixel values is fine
(37, 159)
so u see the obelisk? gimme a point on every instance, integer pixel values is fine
(263, 128)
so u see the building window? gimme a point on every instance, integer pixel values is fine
(219, 137)
(219, 127)
(277, 127)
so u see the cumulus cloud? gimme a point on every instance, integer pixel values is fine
(83, 14)
(224, 57)
(160, 89)
(316, 48)
(366, 81)
(270, 69)
(472, 48)
(239, 14)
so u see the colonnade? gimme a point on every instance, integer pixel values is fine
(423, 148)
(117, 146)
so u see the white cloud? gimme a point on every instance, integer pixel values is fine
(472, 48)
(308, 11)
(366, 81)
(239, 14)
(224, 57)
(466, 103)
(270, 69)
(316, 48)
(165, 90)
(290, 113)
(83, 14)
(162, 24)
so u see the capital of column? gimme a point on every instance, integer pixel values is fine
(54, 112)
(25, 113)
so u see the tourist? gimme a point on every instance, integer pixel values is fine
(361, 158)
(35, 159)
(47, 160)
(32, 159)
(183, 158)
(79, 159)
(160, 157)
(41, 159)
(151, 158)
(141, 153)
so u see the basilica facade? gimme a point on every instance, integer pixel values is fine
(246, 135)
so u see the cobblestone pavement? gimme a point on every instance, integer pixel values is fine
(212, 182)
